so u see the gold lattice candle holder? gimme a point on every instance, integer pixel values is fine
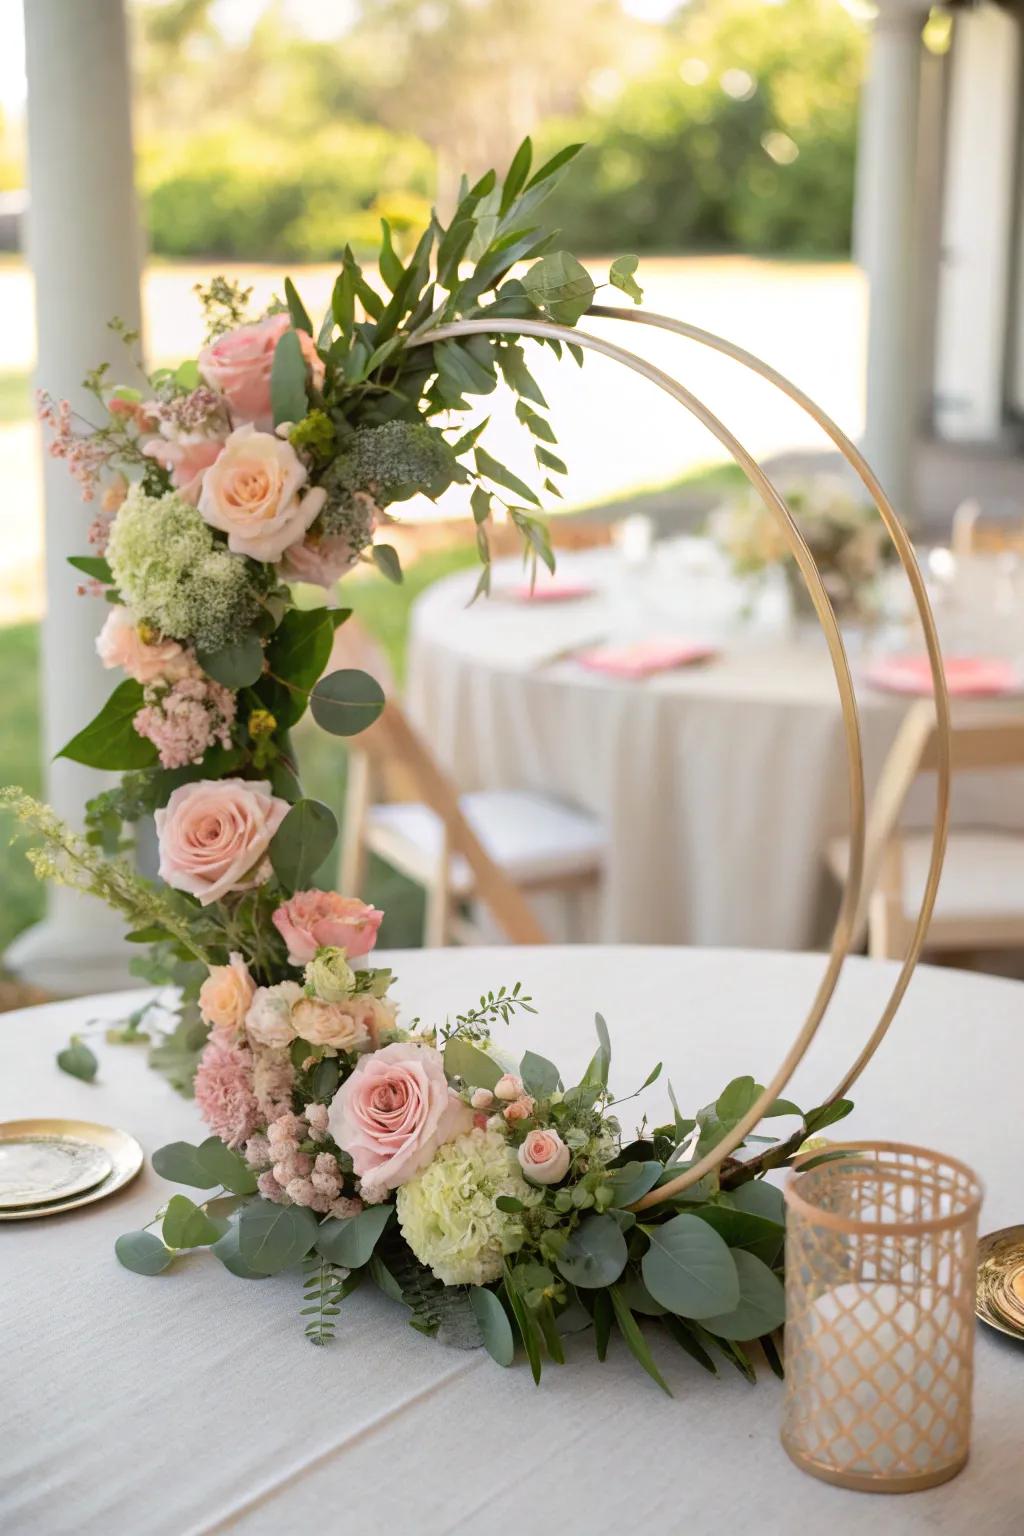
(881, 1254)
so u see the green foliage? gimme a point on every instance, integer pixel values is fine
(302, 843)
(142, 1252)
(350, 1241)
(346, 702)
(78, 1060)
(110, 740)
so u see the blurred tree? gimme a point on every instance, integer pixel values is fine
(473, 77)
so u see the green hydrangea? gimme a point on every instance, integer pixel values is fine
(448, 1215)
(173, 573)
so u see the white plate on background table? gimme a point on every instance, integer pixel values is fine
(50, 1166)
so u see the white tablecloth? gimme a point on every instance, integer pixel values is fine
(718, 786)
(191, 1403)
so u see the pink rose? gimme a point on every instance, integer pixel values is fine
(393, 1113)
(508, 1087)
(313, 920)
(214, 836)
(119, 644)
(544, 1157)
(321, 562)
(481, 1098)
(251, 493)
(239, 363)
(225, 995)
(521, 1109)
(185, 461)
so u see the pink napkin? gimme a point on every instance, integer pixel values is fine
(554, 591)
(643, 657)
(966, 676)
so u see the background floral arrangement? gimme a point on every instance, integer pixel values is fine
(491, 1198)
(846, 538)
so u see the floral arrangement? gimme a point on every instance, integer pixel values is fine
(845, 536)
(491, 1198)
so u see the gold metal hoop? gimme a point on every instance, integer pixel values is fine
(842, 934)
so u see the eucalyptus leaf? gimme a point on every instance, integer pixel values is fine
(350, 1241)
(77, 1060)
(744, 1229)
(540, 1076)
(237, 665)
(475, 1067)
(385, 558)
(180, 1163)
(762, 1302)
(817, 1119)
(689, 1268)
(346, 702)
(302, 843)
(273, 1237)
(528, 1329)
(142, 1252)
(229, 1253)
(185, 1225)
(620, 275)
(226, 1166)
(630, 1330)
(560, 286)
(759, 1198)
(595, 1254)
(495, 1328)
(632, 1181)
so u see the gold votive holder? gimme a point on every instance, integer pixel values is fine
(881, 1244)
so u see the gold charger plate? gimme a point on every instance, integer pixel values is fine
(1000, 1294)
(123, 1153)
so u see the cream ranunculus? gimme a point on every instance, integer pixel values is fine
(329, 976)
(270, 1020)
(252, 493)
(340, 1025)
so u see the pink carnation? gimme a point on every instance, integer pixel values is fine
(313, 920)
(223, 1091)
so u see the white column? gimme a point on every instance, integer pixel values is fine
(885, 241)
(84, 249)
(982, 163)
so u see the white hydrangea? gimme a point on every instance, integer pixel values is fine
(448, 1213)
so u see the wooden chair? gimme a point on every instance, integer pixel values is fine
(492, 846)
(980, 902)
(972, 535)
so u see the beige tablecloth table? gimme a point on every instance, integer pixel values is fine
(191, 1403)
(718, 786)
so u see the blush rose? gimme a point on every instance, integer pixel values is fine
(214, 836)
(393, 1113)
(238, 364)
(251, 493)
(119, 644)
(544, 1157)
(312, 920)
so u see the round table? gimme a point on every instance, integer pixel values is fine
(192, 1404)
(718, 786)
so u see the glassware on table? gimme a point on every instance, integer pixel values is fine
(881, 1246)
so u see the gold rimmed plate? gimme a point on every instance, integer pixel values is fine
(51, 1166)
(1000, 1294)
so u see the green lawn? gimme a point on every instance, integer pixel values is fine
(382, 607)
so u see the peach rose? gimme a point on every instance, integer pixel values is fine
(393, 1113)
(225, 995)
(251, 493)
(239, 363)
(119, 644)
(508, 1087)
(337, 1024)
(186, 461)
(269, 1020)
(544, 1157)
(311, 920)
(520, 1109)
(214, 835)
(321, 562)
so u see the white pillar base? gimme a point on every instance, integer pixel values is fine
(69, 958)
